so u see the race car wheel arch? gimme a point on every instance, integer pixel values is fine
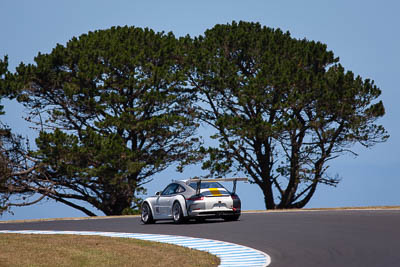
(177, 212)
(146, 207)
(182, 201)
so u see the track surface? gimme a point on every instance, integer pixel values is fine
(309, 238)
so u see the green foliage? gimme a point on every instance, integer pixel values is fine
(282, 108)
(16, 169)
(3, 71)
(4, 135)
(114, 109)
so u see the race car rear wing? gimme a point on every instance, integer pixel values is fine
(199, 180)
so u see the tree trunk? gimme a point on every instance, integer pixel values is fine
(266, 188)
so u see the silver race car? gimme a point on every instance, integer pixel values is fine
(194, 198)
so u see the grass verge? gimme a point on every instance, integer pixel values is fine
(71, 250)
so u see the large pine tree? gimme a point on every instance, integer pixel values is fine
(113, 109)
(282, 108)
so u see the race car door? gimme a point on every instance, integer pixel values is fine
(165, 200)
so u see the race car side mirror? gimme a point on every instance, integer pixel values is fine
(158, 193)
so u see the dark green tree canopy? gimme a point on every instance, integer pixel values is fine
(281, 107)
(113, 109)
(3, 72)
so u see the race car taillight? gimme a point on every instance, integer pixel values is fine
(195, 198)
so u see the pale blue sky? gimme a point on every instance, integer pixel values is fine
(364, 34)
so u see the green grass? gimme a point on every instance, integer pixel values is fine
(71, 250)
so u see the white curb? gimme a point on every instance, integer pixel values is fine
(230, 254)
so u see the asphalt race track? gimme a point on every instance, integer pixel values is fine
(306, 238)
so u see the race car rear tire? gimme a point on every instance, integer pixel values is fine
(147, 216)
(177, 213)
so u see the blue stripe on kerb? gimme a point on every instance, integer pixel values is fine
(230, 254)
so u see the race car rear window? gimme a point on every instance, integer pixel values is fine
(205, 185)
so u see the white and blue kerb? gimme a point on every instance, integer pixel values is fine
(230, 254)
